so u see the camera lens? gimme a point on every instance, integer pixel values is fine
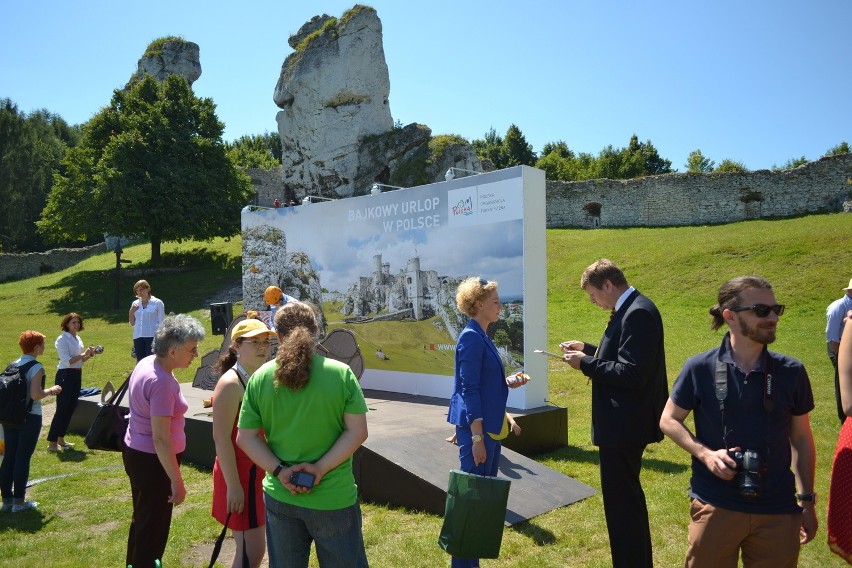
(748, 472)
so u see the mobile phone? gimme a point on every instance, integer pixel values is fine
(302, 479)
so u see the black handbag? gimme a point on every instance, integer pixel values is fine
(475, 515)
(110, 425)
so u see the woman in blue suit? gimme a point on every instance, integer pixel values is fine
(478, 404)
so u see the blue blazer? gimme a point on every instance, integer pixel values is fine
(480, 389)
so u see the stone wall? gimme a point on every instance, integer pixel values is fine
(268, 185)
(824, 186)
(700, 199)
(20, 266)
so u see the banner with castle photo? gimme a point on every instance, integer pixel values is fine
(386, 267)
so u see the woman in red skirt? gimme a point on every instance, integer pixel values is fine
(237, 489)
(840, 495)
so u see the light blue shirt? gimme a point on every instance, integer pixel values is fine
(623, 297)
(32, 372)
(835, 313)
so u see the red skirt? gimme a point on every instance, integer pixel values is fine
(840, 496)
(251, 479)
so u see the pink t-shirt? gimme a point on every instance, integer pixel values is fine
(153, 391)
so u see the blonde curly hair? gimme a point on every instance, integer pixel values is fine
(472, 290)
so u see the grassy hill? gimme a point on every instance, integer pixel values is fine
(806, 259)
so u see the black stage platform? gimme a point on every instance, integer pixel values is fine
(406, 460)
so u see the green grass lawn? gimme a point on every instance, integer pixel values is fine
(84, 514)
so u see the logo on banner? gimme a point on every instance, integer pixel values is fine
(464, 208)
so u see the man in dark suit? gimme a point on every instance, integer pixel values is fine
(629, 391)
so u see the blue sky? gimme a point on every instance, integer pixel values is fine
(758, 82)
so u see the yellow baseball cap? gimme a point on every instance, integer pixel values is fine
(250, 328)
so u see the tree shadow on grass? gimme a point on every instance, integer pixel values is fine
(590, 455)
(182, 280)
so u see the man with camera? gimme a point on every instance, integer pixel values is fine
(753, 454)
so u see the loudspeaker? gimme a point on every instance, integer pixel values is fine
(221, 316)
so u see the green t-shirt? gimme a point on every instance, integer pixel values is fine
(301, 426)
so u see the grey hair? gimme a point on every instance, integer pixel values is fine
(175, 331)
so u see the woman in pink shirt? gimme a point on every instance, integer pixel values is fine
(155, 439)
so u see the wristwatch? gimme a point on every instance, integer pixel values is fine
(476, 438)
(277, 470)
(807, 498)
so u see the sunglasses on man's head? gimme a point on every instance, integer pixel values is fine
(761, 310)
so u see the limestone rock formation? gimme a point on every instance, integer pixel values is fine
(333, 91)
(170, 56)
(266, 262)
(336, 129)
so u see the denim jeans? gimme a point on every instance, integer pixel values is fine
(142, 347)
(15, 469)
(291, 529)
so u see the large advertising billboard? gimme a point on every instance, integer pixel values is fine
(386, 267)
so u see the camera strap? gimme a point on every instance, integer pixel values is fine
(768, 384)
(722, 394)
(721, 381)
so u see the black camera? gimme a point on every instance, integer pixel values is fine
(302, 479)
(99, 349)
(749, 471)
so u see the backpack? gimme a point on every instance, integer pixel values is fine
(15, 401)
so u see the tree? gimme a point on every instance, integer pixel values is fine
(554, 166)
(31, 147)
(252, 152)
(273, 142)
(636, 160)
(643, 160)
(501, 338)
(516, 149)
(791, 163)
(152, 163)
(696, 163)
(842, 148)
(505, 152)
(560, 147)
(490, 148)
(730, 167)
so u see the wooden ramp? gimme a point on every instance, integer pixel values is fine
(406, 460)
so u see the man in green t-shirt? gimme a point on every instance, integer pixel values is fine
(312, 413)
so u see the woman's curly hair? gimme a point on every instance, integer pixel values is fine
(297, 328)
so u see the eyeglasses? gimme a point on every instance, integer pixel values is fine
(193, 351)
(255, 341)
(761, 310)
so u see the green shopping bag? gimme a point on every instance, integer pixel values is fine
(474, 515)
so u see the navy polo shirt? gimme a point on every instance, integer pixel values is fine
(749, 426)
